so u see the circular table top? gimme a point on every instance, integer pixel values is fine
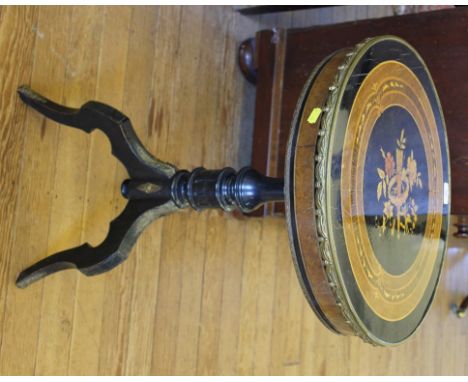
(367, 190)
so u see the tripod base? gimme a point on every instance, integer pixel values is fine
(154, 189)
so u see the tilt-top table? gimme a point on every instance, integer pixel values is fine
(366, 190)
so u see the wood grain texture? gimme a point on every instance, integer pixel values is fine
(301, 217)
(201, 293)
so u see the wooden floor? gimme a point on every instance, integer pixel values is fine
(201, 293)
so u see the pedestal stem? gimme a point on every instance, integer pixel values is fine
(245, 190)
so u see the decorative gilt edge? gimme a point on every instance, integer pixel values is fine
(288, 196)
(323, 142)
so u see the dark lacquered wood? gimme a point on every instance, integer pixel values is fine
(264, 63)
(266, 140)
(247, 60)
(367, 190)
(439, 36)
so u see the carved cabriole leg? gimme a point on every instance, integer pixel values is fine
(462, 227)
(461, 309)
(462, 233)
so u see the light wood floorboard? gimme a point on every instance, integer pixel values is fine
(202, 293)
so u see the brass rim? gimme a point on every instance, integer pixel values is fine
(290, 220)
(327, 248)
